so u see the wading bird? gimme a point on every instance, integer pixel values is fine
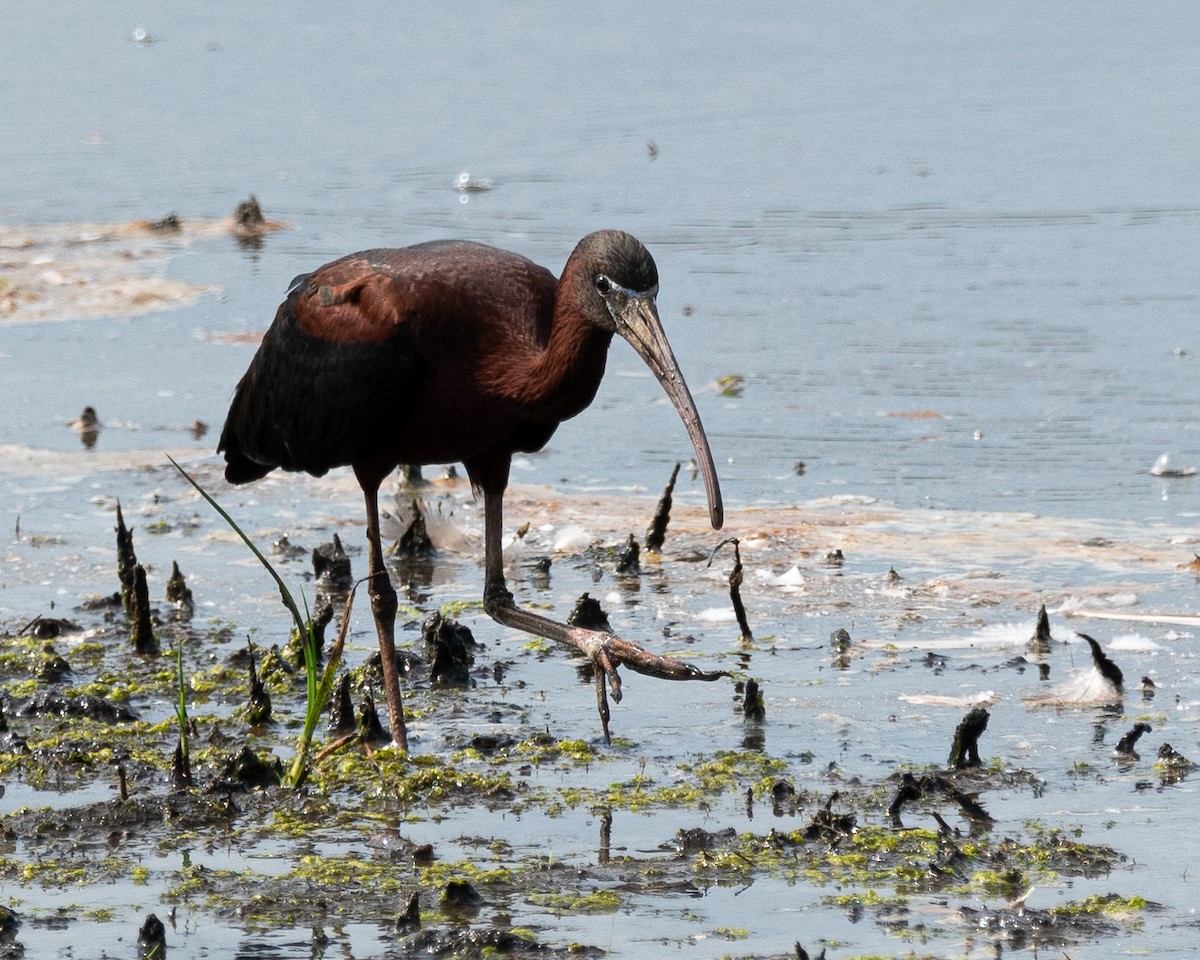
(454, 352)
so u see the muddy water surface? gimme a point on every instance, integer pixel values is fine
(947, 258)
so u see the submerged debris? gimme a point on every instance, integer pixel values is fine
(964, 752)
(657, 531)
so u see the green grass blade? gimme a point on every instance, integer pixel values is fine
(284, 593)
(319, 686)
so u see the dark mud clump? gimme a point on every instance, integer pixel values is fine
(964, 752)
(450, 647)
(589, 615)
(47, 703)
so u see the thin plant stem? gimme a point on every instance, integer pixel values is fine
(318, 684)
(181, 705)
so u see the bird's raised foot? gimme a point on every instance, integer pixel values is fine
(607, 651)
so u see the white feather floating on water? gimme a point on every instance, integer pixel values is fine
(1172, 465)
(1087, 689)
(572, 539)
(1098, 686)
(792, 578)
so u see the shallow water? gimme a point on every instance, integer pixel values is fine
(951, 252)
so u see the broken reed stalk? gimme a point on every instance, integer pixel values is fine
(258, 706)
(657, 531)
(126, 561)
(135, 597)
(183, 765)
(319, 685)
(735, 586)
(144, 640)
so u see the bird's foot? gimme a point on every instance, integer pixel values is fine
(607, 651)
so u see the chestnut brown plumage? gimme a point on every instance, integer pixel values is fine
(454, 352)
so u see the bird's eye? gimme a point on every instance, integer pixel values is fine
(603, 284)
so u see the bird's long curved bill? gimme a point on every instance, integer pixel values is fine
(639, 324)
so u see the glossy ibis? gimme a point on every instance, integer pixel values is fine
(454, 352)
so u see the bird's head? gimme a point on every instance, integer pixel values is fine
(620, 283)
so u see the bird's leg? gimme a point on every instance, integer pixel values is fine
(607, 651)
(383, 606)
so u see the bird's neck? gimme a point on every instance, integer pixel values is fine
(563, 377)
